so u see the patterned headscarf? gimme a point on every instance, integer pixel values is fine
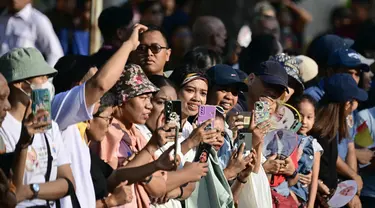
(132, 83)
(291, 65)
(193, 76)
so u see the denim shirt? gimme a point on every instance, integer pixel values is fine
(225, 151)
(305, 165)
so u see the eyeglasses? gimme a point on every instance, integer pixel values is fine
(109, 119)
(155, 48)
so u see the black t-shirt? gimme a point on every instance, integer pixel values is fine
(328, 172)
(100, 171)
(99, 58)
(6, 162)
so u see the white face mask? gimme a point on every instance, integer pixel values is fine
(47, 85)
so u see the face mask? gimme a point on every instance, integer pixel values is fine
(47, 85)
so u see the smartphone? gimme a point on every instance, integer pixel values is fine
(172, 110)
(248, 140)
(205, 113)
(41, 100)
(261, 111)
(202, 153)
(246, 119)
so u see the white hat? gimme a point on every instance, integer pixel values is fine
(307, 67)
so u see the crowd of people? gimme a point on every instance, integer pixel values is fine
(90, 131)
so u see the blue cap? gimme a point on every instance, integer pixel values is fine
(224, 75)
(342, 88)
(321, 48)
(272, 72)
(347, 58)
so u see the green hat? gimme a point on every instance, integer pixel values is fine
(24, 63)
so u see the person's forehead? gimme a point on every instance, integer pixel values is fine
(153, 37)
(198, 84)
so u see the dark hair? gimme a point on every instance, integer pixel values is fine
(339, 13)
(71, 69)
(178, 75)
(201, 58)
(145, 5)
(259, 50)
(330, 120)
(305, 97)
(112, 19)
(153, 28)
(161, 81)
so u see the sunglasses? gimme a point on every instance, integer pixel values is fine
(155, 48)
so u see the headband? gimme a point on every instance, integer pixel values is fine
(193, 76)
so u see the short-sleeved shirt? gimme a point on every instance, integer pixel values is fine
(328, 172)
(37, 154)
(68, 109)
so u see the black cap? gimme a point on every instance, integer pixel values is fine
(272, 72)
(224, 75)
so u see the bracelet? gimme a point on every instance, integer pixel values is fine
(181, 193)
(292, 176)
(240, 180)
(147, 181)
(104, 203)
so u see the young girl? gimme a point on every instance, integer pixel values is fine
(309, 152)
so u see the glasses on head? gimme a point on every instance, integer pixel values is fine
(109, 119)
(155, 48)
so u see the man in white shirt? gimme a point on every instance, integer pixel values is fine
(21, 25)
(77, 105)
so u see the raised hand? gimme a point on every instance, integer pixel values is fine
(32, 124)
(272, 165)
(235, 123)
(237, 163)
(196, 170)
(199, 134)
(165, 162)
(258, 131)
(250, 166)
(121, 195)
(134, 37)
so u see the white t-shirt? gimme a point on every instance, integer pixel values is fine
(37, 154)
(68, 109)
(256, 192)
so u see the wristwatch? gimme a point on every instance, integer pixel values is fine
(35, 189)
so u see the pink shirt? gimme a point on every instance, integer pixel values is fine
(118, 145)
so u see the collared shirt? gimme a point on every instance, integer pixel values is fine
(29, 28)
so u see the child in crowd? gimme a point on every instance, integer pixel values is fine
(308, 155)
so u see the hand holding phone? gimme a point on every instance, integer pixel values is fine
(262, 112)
(207, 112)
(41, 100)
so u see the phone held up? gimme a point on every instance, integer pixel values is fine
(172, 110)
(262, 112)
(207, 112)
(246, 138)
(41, 100)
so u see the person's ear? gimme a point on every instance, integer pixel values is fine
(168, 54)
(250, 79)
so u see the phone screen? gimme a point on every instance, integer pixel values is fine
(41, 100)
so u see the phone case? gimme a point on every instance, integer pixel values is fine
(205, 113)
(202, 153)
(172, 110)
(246, 119)
(41, 100)
(247, 139)
(262, 112)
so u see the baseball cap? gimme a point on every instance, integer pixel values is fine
(272, 72)
(225, 75)
(347, 58)
(342, 87)
(24, 63)
(308, 69)
(322, 47)
(291, 66)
